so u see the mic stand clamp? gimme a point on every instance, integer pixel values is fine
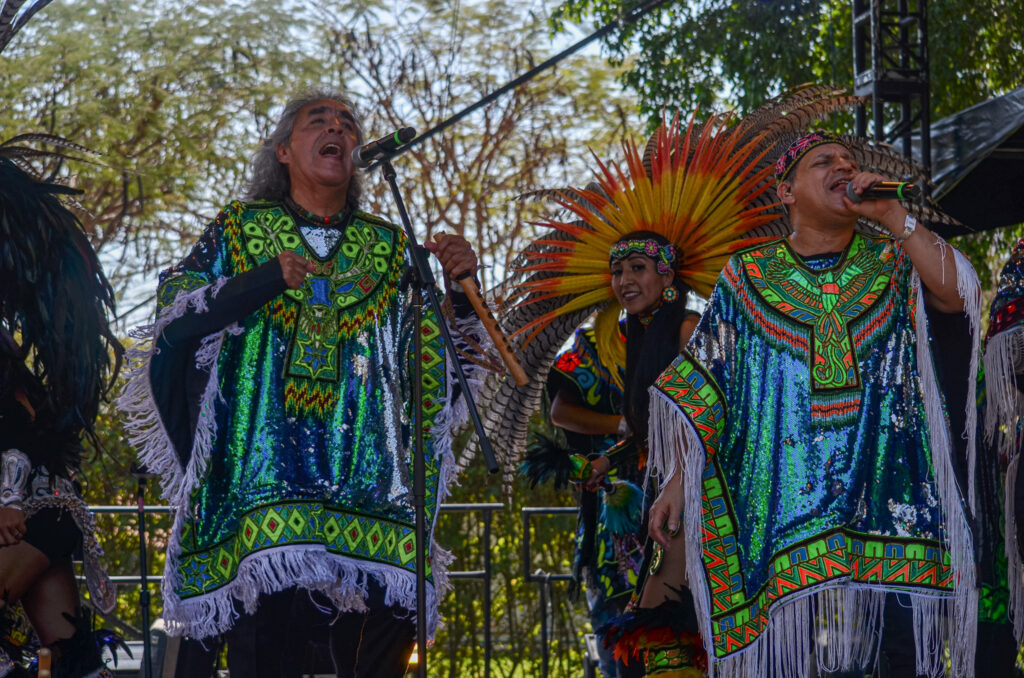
(424, 285)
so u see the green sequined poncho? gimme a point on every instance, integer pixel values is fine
(810, 429)
(283, 439)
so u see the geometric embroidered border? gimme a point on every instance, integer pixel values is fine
(838, 555)
(186, 281)
(290, 523)
(696, 393)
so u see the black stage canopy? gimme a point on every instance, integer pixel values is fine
(978, 164)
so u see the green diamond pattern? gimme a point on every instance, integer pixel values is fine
(353, 534)
(250, 531)
(297, 521)
(224, 562)
(407, 548)
(273, 524)
(374, 539)
(332, 529)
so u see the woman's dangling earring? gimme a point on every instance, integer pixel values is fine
(669, 294)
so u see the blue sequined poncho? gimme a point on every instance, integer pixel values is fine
(283, 439)
(809, 427)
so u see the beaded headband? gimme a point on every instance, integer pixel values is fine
(788, 160)
(663, 255)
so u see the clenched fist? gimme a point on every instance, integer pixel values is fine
(294, 269)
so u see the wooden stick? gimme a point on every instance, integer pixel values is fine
(44, 663)
(472, 291)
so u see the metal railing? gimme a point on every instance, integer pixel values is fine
(485, 575)
(542, 578)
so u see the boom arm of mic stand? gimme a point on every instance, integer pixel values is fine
(425, 278)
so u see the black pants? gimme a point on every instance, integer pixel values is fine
(287, 634)
(897, 654)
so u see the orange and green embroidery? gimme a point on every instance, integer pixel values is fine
(827, 302)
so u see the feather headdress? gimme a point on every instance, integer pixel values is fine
(14, 15)
(706, 187)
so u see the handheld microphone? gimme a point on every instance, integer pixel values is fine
(363, 156)
(885, 190)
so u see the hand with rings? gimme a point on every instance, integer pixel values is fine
(294, 269)
(12, 526)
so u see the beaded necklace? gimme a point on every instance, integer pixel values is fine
(335, 220)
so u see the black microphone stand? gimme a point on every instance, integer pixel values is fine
(142, 475)
(424, 284)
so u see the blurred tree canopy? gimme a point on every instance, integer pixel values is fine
(169, 100)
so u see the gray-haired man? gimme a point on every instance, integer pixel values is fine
(275, 403)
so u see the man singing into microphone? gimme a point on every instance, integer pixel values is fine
(813, 437)
(274, 401)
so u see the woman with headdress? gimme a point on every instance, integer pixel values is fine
(55, 366)
(640, 243)
(594, 402)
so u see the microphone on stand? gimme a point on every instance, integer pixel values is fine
(363, 156)
(885, 190)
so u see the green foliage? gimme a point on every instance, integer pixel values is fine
(439, 60)
(713, 54)
(169, 99)
(702, 54)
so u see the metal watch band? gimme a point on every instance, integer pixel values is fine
(909, 226)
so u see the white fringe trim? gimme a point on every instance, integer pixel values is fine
(969, 288)
(343, 580)
(1003, 402)
(962, 625)
(1015, 569)
(143, 424)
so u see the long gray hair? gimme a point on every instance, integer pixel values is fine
(269, 179)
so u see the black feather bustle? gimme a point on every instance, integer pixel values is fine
(547, 460)
(57, 353)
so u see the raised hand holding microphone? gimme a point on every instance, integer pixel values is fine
(886, 208)
(884, 190)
